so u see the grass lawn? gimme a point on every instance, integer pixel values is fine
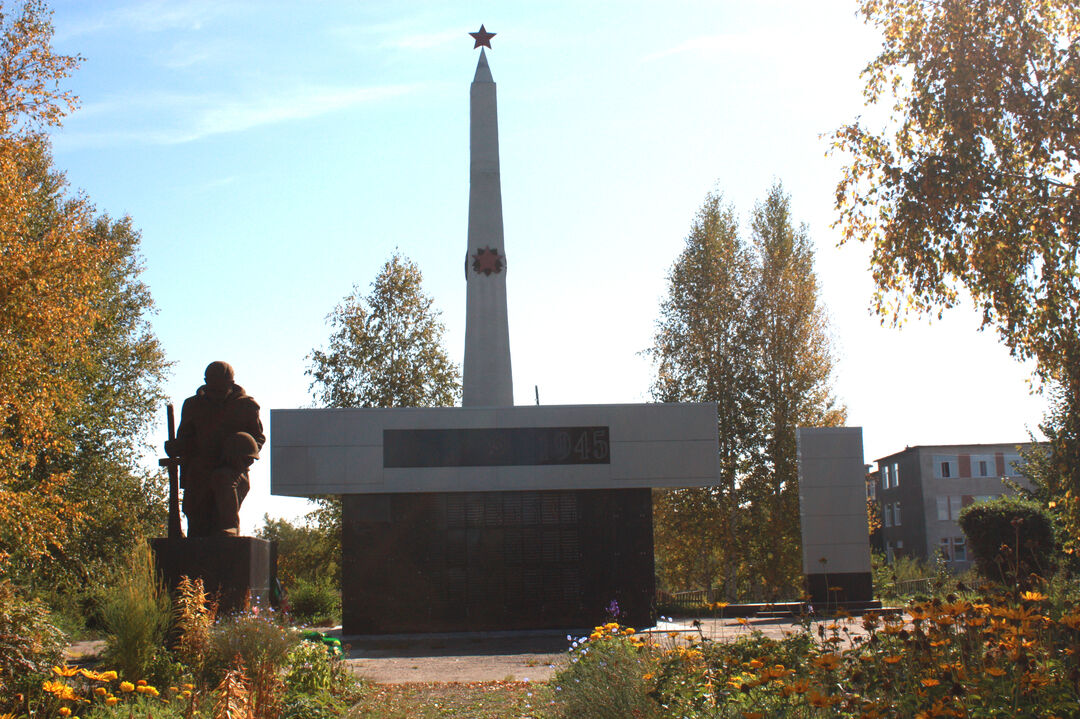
(477, 700)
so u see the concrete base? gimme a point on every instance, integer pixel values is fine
(839, 587)
(235, 570)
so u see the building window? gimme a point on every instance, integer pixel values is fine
(983, 470)
(953, 549)
(945, 470)
(885, 477)
(959, 549)
(888, 515)
(896, 514)
(896, 475)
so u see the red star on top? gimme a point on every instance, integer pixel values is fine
(482, 38)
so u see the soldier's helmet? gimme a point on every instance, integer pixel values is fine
(240, 444)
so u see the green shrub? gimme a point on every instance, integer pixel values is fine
(309, 669)
(1010, 538)
(605, 679)
(29, 645)
(301, 706)
(315, 602)
(260, 645)
(135, 614)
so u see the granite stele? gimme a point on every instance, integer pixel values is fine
(490, 516)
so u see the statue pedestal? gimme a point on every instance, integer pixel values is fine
(233, 569)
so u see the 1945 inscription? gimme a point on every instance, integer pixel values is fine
(496, 447)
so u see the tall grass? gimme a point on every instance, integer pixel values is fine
(135, 614)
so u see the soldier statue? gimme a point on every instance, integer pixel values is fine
(219, 436)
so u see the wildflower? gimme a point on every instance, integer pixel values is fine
(100, 691)
(111, 701)
(1032, 596)
(995, 671)
(60, 690)
(818, 699)
(66, 671)
(65, 712)
(141, 683)
(930, 682)
(127, 687)
(828, 662)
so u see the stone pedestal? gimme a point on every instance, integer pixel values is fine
(234, 569)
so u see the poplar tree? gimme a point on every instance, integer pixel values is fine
(702, 351)
(793, 384)
(742, 326)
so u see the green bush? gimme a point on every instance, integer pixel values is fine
(261, 643)
(1010, 538)
(315, 602)
(29, 645)
(301, 706)
(605, 679)
(135, 614)
(309, 669)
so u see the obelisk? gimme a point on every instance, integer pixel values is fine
(486, 377)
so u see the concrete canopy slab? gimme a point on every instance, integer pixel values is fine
(464, 449)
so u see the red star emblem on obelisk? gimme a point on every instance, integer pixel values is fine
(487, 261)
(482, 38)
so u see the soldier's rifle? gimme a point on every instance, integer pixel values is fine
(173, 465)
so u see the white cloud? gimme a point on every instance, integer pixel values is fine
(187, 118)
(152, 16)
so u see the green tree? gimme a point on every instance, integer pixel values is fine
(385, 350)
(971, 187)
(79, 366)
(793, 383)
(742, 326)
(47, 286)
(701, 352)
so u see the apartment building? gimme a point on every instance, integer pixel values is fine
(921, 491)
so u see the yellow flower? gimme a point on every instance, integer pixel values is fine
(65, 712)
(127, 687)
(100, 691)
(66, 671)
(930, 682)
(60, 690)
(151, 691)
(828, 662)
(141, 683)
(111, 701)
(189, 686)
(1033, 596)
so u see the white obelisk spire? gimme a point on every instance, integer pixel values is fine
(486, 377)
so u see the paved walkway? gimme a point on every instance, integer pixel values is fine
(533, 656)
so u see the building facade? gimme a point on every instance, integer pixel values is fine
(921, 491)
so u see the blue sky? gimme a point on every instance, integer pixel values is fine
(275, 154)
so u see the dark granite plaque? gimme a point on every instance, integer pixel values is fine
(481, 561)
(496, 447)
